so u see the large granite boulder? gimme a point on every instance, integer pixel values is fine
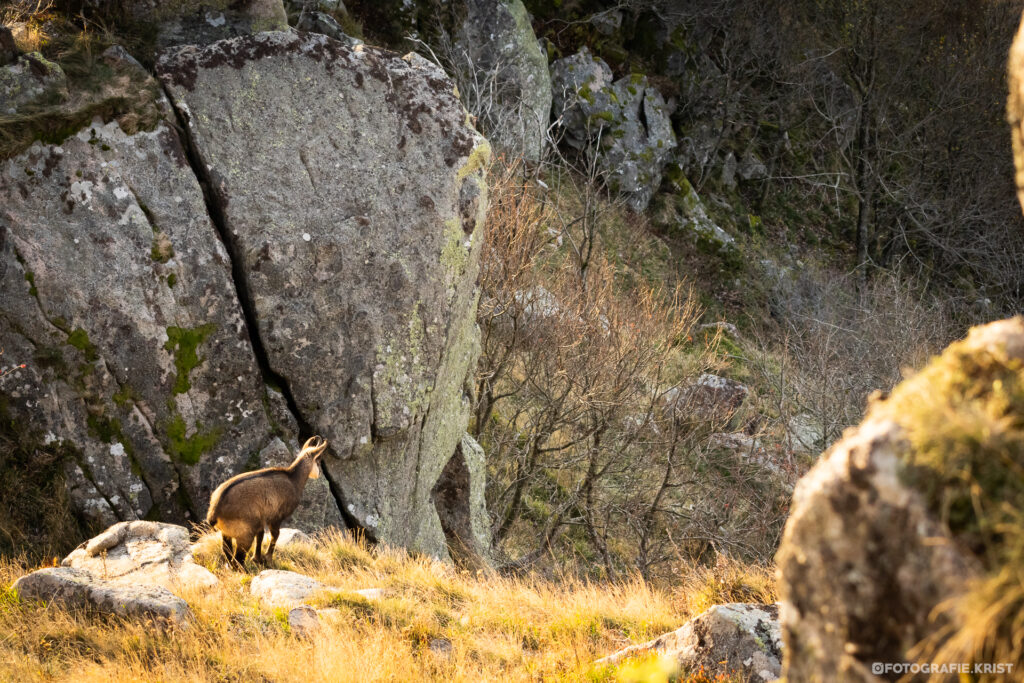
(77, 588)
(136, 553)
(350, 188)
(499, 52)
(905, 537)
(626, 123)
(737, 638)
(118, 298)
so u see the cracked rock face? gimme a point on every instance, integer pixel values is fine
(350, 188)
(117, 297)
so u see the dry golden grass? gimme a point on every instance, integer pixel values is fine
(497, 627)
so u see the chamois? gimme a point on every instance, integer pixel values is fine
(247, 504)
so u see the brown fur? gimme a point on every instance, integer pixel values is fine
(249, 503)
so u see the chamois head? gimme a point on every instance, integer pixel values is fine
(314, 450)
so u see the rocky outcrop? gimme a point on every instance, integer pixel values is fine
(625, 123)
(892, 527)
(737, 637)
(27, 79)
(356, 249)
(498, 49)
(137, 553)
(119, 300)
(862, 563)
(459, 497)
(709, 397)
(77, 588)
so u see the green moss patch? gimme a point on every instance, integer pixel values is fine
(80, 340)
(189, 449)
(183, 342)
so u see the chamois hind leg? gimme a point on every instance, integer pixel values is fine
(259, 547)
(275, 530)
(242, 544)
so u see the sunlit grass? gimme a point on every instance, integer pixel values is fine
(433, 621)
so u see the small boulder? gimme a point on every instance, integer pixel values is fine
(303, 620)
(78, 588)
(280, 588)
(289, 536)
(142, 553)
(737, 637)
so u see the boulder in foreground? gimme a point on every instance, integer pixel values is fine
(737, 637)
(142, 553)
(78, 588)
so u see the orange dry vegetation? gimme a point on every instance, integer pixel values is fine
(482, 626)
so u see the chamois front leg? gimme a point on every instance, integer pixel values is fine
(259, 547)
(275, 530)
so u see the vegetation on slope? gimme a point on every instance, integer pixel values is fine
(434, 622)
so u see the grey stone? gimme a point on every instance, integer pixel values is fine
(862, 564)
(320, 22)
(737, 637)
(27, 80)
(728, 176)
(142, 553)
(626, 123)
(751, 167)
(496, 46)
(279, 588)
(460, 501)
(303, 620)
(119, 299)
(289, 536)
(77, 588)
(384, 205)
